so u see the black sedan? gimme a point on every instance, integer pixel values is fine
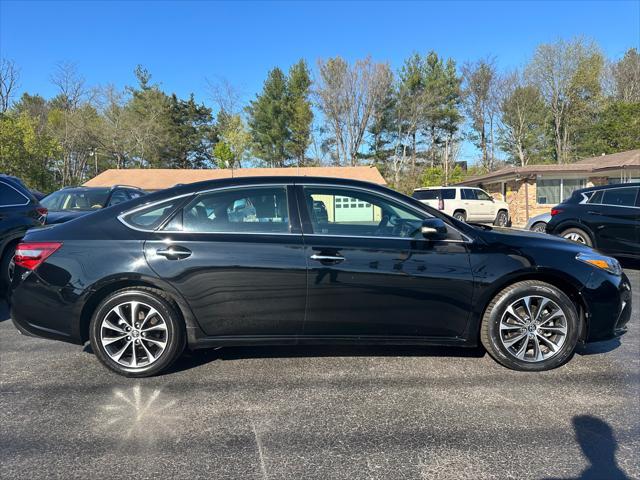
(606, 218)
(193, 266)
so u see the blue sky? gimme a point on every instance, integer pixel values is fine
(183, 43)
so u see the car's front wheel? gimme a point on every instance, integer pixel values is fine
(137, 332)
(530, 326)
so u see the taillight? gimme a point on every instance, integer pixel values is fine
(30, 255)
(555, 211)
(440, 204)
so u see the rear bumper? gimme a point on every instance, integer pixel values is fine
(42, 310)
(608, 299)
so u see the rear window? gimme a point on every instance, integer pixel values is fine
(151, 217)
(434, 194)
(10, 196)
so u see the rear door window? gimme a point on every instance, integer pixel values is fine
(623, 197)
(10, 196)
(469, 194)
(241, 210)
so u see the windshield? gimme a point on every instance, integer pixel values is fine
(76, 199)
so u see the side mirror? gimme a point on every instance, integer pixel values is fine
(434, 229)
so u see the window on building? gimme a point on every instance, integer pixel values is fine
(548, 191)
(551, 191)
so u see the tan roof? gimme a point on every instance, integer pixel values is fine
(602, 163)
(158, 178)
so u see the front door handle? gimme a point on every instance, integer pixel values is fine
(174, 252)
(593, 212)
(327, 258)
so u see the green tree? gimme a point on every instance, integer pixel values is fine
(300, 113)
(269, 120)
(616, 128)
(435, 176)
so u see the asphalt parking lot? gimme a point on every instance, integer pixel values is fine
(365, 413)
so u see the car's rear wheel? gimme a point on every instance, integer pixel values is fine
(501, 219)
(137, 332)
(577, 235)
(540, 227)
(530, 326)
(460, 215)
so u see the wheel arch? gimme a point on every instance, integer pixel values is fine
(107, 288)
(558, 229)
(560, 280)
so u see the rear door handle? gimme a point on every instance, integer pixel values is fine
(327, 258)
(174, 252)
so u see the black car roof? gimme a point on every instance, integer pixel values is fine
(607, 187)
(259, 180)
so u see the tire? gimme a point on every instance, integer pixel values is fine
(148, 348)
(500, 329)
(460, 215)
(501, 219)
(577, 235)
(5, 269)
(540, 227)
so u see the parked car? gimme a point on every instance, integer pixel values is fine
(467, 204)
(73, 202)
(538, 223)
(19, 211)
(146, 279)
(606, 218)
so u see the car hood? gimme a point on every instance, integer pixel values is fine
(61, 216)
(519, 238)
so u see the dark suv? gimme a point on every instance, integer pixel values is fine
(605, 217)
(19, 211)
(73, 202)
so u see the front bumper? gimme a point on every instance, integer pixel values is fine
(608, 299)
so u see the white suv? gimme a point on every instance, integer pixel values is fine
(467, 204)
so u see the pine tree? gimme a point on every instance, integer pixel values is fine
(300, 114)
(269, 120)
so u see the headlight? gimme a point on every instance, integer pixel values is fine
(609, 264)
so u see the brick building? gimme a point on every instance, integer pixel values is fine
(534, 189)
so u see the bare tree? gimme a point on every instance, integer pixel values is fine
(226, 96)
(9, 76)
(71, 85)
(347, 94)
(568, 74)
(626, 76)
(523, 117)
(480, 81)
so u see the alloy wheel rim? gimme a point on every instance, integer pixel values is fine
(502, 220)
(134, 334)
(575, 237)
(533, 328)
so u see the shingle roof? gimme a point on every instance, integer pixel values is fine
(614, 161)
(158, 178)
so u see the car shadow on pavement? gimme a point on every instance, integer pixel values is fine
(599, 445)
(4, 311)
(195, 358)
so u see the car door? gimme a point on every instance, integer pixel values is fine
(613, 215)
(243, 273)
(485, 206)
(371, 274)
